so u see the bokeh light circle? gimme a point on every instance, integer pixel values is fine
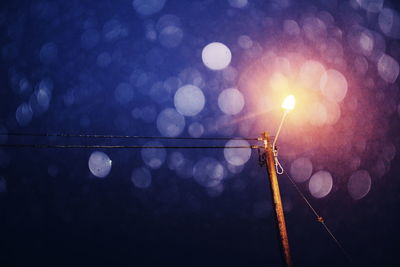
(176, 160)
(310, 74)
(245, 42)
(148, 7)
(238, 3)
(389, 23)
(372, 6)
(170, 123)
(231, 101)
(388, 68)
(196, 129)
(24, 114)
(189, 100)
(334, 85)
(359, 184)
(208, 172)
(291, 27)
(154, 157)
(216, 56)
(171, 36)
(301, 169)
(99, 164)
(237, 156)
(320, 184)
(318, 114)
(141, 178)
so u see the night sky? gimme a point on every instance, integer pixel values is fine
(201, 73)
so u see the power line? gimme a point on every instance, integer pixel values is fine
(319, 218)
(39, 146)
(124, 136)
(75, 146)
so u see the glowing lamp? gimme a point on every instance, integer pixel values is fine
(289, 103)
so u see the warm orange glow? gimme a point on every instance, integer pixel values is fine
(266, 83)
(289, 103)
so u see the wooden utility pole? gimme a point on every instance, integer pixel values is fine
(276, 197)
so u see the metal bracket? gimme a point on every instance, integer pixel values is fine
(262, 156)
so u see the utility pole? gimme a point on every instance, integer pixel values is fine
(276, 197)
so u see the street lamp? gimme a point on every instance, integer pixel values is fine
(272, 164)
(288, 104)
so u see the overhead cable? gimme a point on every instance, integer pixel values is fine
(105, 136)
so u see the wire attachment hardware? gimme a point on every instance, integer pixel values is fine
(278, 166)
(262, 157)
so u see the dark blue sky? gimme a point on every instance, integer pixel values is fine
(197, 69)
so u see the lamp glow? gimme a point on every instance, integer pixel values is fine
(289, 103)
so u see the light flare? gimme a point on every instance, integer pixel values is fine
(289, 103)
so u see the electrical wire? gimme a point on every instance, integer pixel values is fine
(124, 146)
(319, 218)
(61, 146)
(123, 136)
(47, 146)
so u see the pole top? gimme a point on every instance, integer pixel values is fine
(265, 136)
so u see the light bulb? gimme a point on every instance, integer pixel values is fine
(289, 103)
